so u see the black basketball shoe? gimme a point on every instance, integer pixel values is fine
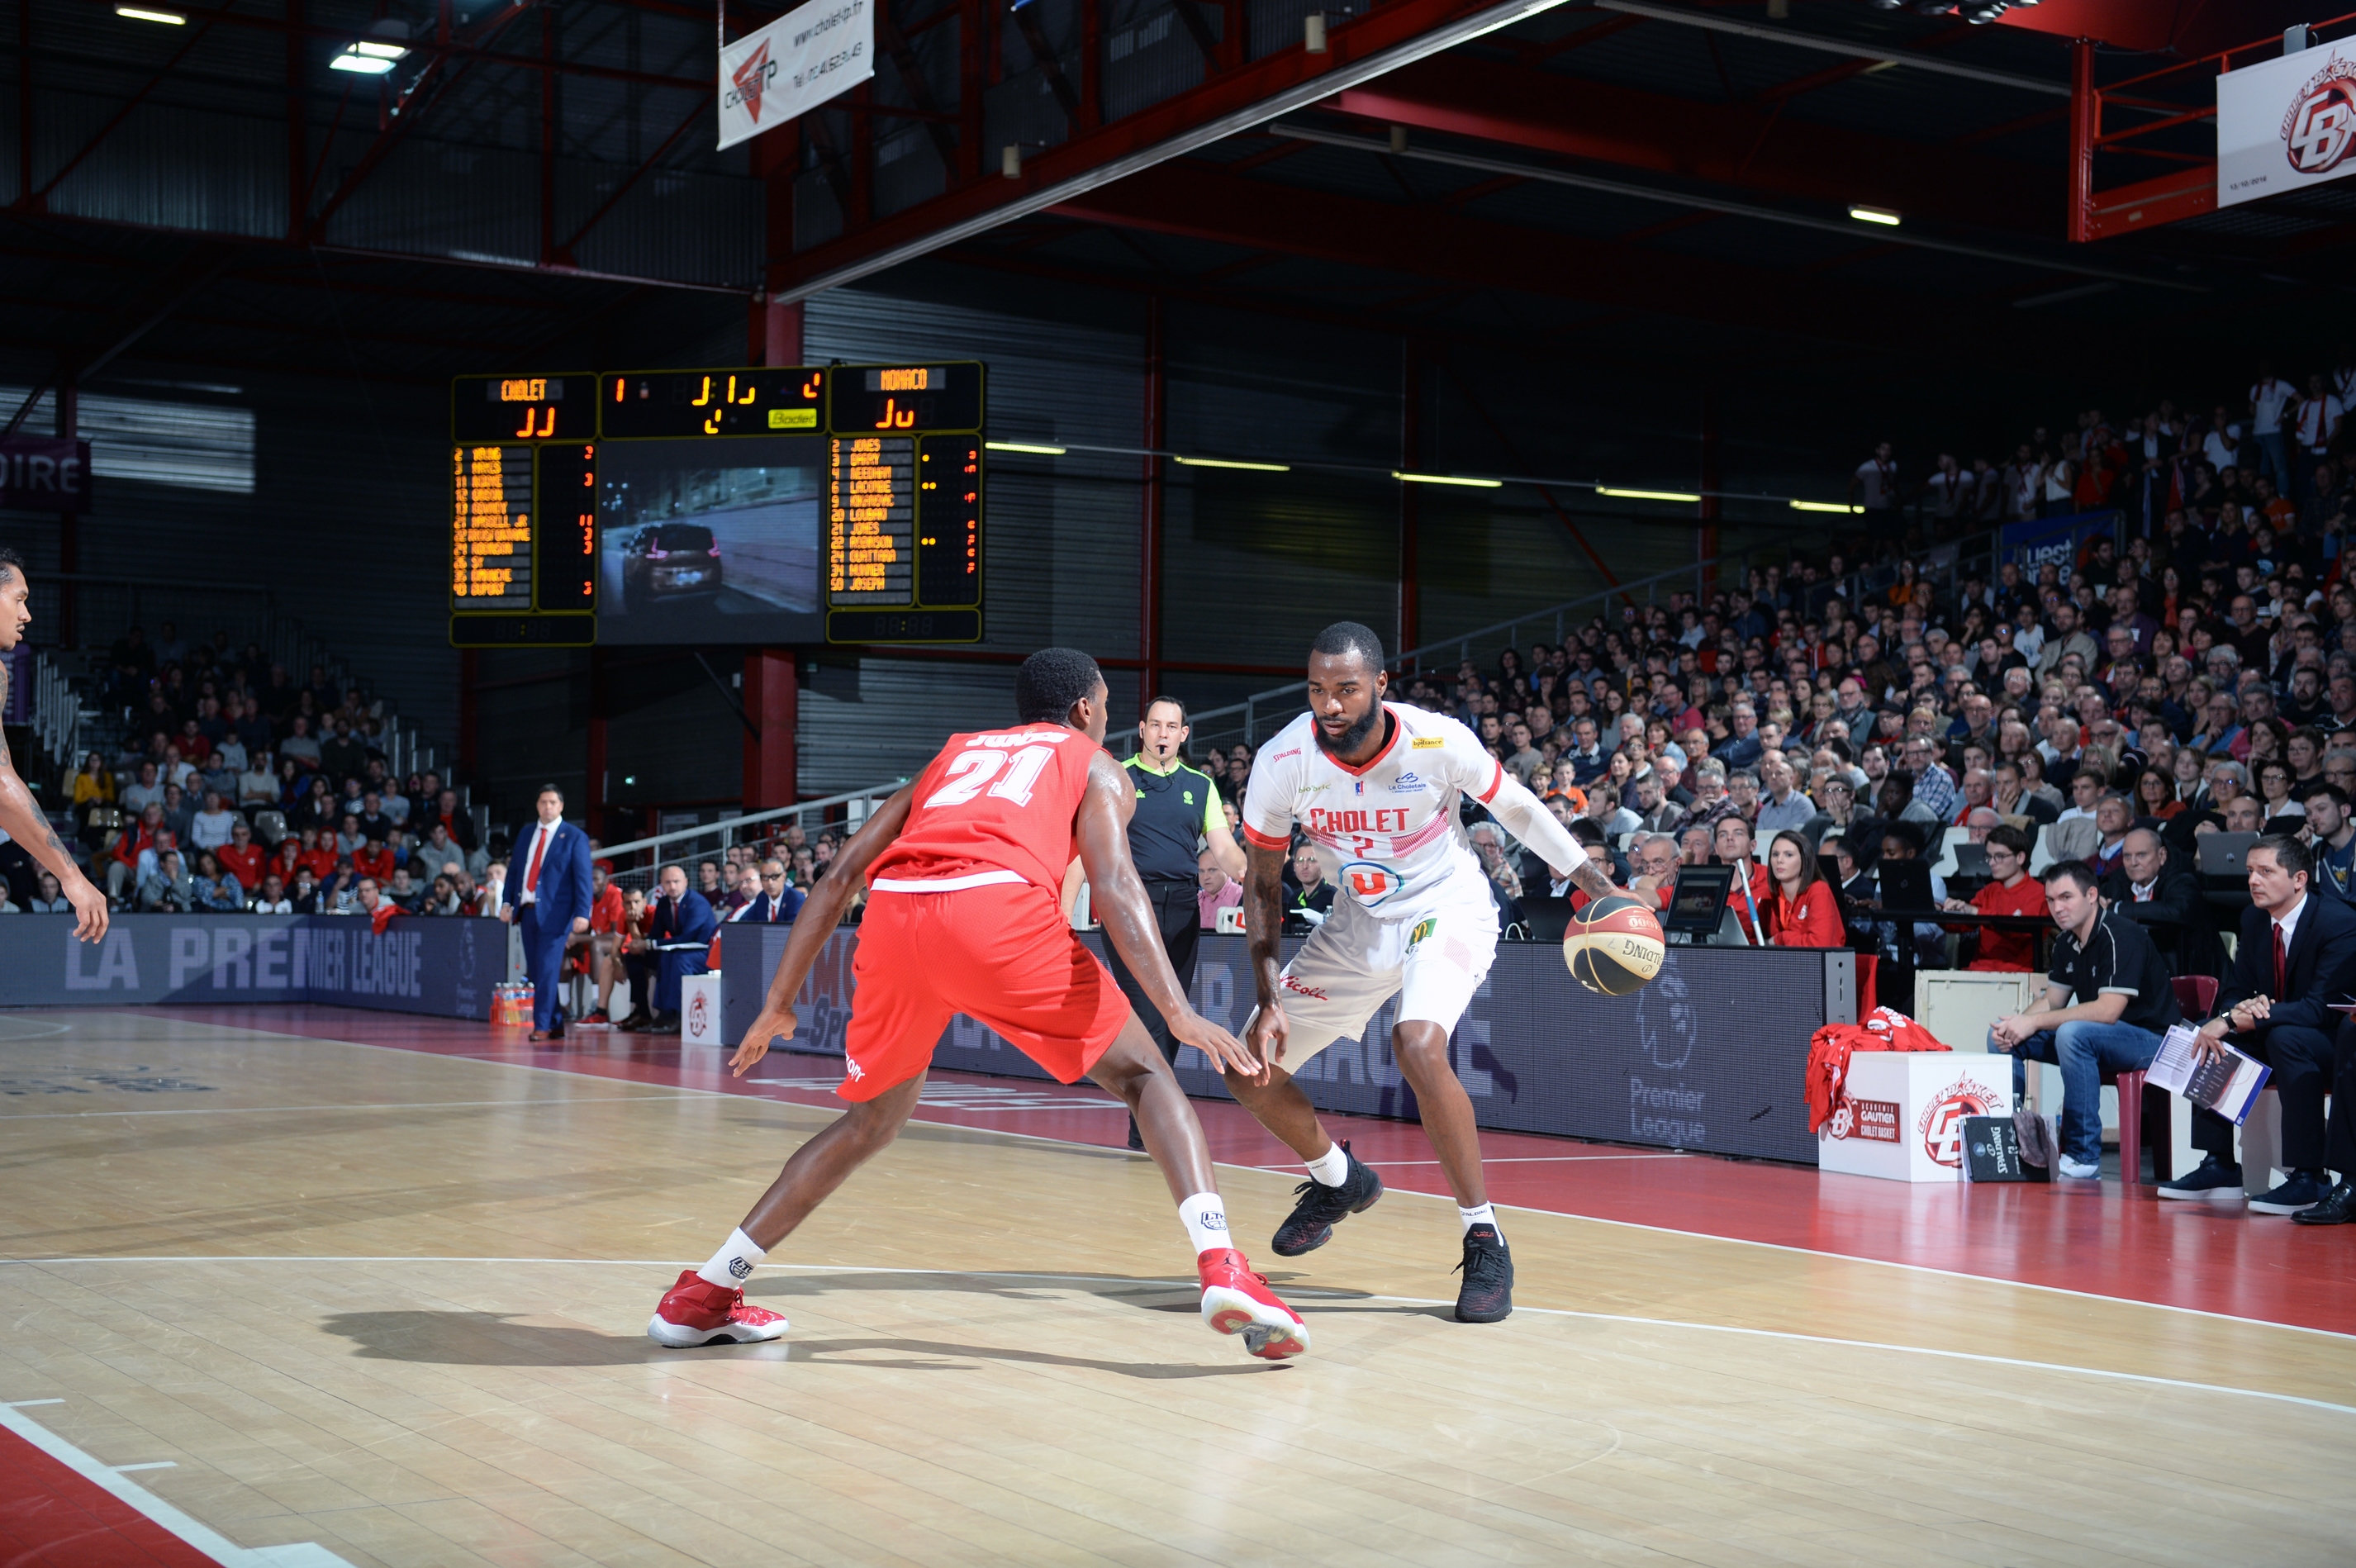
(1487, 1293)
(1316, 1207)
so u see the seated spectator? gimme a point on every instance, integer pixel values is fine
(442, 897)
(678, 932)
(272, 900)
(210, 828)
(1314, 895)
(1732, 844)
(93, 787)
(1781, 804)
(349, 839)
(2331, 838)
(305, 893)
(179, 811)
(1656, 862)
(372, 819)
(622, 955)
(166, 889)
(2108, 999)
(2010, 890)
(51, 897)
(136, 840)
(340, 890)
(1506, 885)
(1695, 843)
(368, 899)
(343, 755)
(1215, 890)
(2113, 817)
(257, 786)
(1802, 913)
(147, 791)
(213, 890)
(300, 747)
(405, 894)
(241, 857)
(375, 860)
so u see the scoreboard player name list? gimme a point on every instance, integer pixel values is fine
(490, 527)
(871, 511)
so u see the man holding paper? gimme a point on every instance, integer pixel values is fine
(2297, 956)
(2107, 1002)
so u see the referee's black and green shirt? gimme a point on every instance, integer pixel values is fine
(1177, 807)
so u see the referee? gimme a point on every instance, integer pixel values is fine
(1177, 814)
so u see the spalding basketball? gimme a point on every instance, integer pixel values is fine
(1614, 946)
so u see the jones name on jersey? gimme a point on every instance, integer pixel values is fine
(1391, 825)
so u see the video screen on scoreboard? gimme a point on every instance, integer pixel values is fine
(715, 542)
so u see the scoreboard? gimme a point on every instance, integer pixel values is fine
(759, 504)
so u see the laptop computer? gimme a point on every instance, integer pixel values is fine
(2225, 855)
(1698, 902)
(1971, 860)
(1905, 884)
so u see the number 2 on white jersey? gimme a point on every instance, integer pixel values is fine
(969, 771)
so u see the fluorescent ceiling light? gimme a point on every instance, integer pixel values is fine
(1881, 215)
(1445, 479)
(376, 50)
(365, 65)
(1645, 495)
(1231, 463)
(1030, 446)
(137, 14)
(1824, 505)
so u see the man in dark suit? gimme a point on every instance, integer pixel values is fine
(2149, 891)
(678, 932)
(777, 903)
(2297, 956)
(546, 896)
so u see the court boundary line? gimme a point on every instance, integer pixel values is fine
(1406, 1192)
(197, 1534)
(1326, 1294)
(265, 1110)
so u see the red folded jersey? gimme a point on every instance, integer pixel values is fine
(1830, 1046)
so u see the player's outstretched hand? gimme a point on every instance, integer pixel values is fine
(1266, 1037)
(1216, 1044)
(90, 910)
(768, 1027)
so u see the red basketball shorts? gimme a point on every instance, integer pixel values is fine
(1001, 955)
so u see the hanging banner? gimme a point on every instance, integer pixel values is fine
(796, 63)
(44, 473)
(2286, 124)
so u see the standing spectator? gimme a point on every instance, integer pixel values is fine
(551, 902)
(1873, 490)
(2270, 400)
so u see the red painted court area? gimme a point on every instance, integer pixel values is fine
(2101, 1238)
(54, 1517)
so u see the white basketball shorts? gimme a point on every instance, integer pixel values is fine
(1354, 962)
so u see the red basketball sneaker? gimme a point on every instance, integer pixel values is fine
(1237, 1301)
(697, 1312)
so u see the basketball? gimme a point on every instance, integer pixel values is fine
(1614, 946)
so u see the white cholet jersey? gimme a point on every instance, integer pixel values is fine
(1390, 829)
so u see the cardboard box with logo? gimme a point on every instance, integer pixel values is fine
(1901, 1115)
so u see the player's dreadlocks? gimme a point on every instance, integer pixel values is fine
(1348, 637)
(1050, 682)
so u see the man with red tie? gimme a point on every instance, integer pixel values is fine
(2297, 956)
(547, 900)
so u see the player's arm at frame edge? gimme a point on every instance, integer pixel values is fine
(20, 815)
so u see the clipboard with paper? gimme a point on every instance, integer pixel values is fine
(2229, 1086)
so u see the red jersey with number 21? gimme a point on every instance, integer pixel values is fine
(1001, 801)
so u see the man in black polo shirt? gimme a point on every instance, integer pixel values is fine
(2108, 1000)
(1178, 815)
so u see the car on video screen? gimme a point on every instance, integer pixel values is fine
(668, 561)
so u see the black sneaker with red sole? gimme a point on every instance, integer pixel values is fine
(1317, 1208)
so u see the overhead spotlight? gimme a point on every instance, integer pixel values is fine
(1407, 478)
(1824, 505)
(385, 40)
(1035, 448)
(139, 13)
(1881, 215)
(1645, 495)
(1233, 463)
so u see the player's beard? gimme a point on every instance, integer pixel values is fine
(1353, 737)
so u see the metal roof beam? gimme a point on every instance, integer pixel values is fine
(1725, 144)
(1817, 41)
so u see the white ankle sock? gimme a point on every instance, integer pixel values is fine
(1484, 1215)
(1331, 1167)
(734, 1263)
(1205, 1219)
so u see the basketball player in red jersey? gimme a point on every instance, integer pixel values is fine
(964, 868)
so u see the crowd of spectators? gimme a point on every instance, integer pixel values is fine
(240, 788)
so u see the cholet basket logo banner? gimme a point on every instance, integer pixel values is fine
(2284, 124)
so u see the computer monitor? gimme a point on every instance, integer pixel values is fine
(2225, 855)
(1905, 884)
(1971, 861)
(1698, 902)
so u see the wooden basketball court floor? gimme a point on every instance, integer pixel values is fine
(303, 1286)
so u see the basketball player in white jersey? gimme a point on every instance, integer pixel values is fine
(1376, 787)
